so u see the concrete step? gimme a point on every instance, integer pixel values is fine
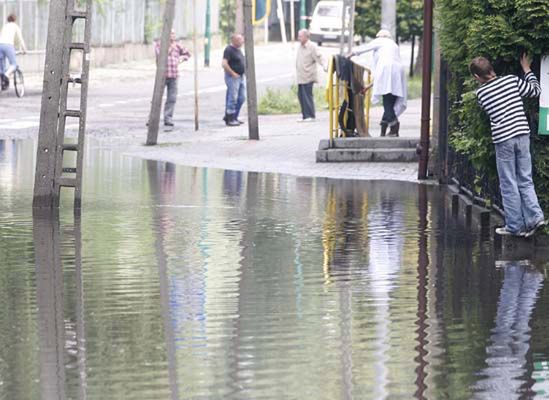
(370, 143)
(367, 155)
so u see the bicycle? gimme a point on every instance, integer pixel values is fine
(18, 81)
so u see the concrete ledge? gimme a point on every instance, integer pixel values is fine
(370, 143)
(367, 155)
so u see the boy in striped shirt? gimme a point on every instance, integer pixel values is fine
(501, 99)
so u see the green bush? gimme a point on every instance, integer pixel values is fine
(500, 30)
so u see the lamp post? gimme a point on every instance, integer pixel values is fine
(302, 16)
(208, 34)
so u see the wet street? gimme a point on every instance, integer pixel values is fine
(193, 283)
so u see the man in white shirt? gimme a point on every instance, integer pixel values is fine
(9, 34)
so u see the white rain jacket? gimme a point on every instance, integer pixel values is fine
(388, 71)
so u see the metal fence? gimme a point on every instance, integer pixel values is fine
(115, 22)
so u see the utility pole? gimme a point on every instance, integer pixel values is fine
(343, 24)
(239, 17)
(302, 14)
(280, 13)
(292, 19)
(388, 16)
(352, 24)
(253, 124)
(266, 29)
(160, 79)
(208, 34)
(426, 88)
(195, 51)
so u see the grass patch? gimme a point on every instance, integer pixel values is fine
(284, 101)
(414, 87)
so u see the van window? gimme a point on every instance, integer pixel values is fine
(329, 11)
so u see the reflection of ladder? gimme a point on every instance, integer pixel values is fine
(63, 46)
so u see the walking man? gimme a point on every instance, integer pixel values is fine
(307, 62)
(234, 65)
(176, 55)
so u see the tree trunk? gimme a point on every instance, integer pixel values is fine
(419, 59)
(239, 17)
(388, 16)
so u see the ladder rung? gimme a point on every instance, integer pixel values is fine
(69, 170)
(67, 182)
(77, 46)
(78, 14)
(73, 113)
(70, 147)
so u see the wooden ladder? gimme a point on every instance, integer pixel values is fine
(51, 172)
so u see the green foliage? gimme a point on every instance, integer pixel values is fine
(409, 18)
(500, 30)
(227, 15)
(280, 101)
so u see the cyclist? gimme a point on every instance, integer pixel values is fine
(9, 34)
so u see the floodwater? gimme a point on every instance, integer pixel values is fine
(186, 283)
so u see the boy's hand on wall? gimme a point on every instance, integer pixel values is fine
(525, 62)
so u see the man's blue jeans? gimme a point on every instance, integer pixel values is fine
(520, 202)
(236, 94)
(7, 51)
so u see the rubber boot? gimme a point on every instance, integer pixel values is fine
(394, 129)
(384, 126)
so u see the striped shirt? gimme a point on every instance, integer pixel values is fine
(501, 98)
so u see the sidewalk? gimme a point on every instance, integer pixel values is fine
(285, 146)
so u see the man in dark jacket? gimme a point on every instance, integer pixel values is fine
(234, 65)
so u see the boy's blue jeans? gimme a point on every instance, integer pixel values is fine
(236, 94)
(520, 202)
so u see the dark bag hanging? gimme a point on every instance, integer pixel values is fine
(346, 116)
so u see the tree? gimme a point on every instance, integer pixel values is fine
(409, 20)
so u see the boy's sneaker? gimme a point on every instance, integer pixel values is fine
(532, 231)
(502, 231)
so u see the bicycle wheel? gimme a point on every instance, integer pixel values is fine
(19, 83)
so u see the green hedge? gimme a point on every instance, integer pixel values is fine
(500, 30)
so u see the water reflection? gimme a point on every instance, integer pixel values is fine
(162, 186)
(506, 355)
(62, 341)
(186, 283)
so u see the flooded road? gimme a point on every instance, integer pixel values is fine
(187, 283)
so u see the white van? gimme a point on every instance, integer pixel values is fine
(326, 22)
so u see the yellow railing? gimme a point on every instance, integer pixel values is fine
(335, 88)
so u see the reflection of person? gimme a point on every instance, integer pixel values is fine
(176, 55)
(307, 61)
(509, 342)
(501, 98)
(234, 65)
(390, 84)
(9, 35)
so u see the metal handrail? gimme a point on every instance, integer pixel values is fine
(334, 88)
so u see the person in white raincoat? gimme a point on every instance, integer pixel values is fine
(390, 83)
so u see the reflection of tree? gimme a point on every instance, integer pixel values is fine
(162, 187)
(506, 355)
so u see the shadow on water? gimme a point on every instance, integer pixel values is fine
(186, 283)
